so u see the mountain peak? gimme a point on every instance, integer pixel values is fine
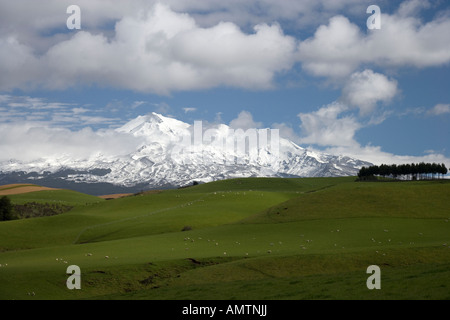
(153, 124)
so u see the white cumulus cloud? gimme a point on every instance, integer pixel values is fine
(339, 48)
(365, 89)
(245, 121)
(440, 109)
(156, 51)
(326, 126)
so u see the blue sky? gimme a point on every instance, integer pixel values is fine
(309, 68)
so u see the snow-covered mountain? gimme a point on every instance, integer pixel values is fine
(173, 153)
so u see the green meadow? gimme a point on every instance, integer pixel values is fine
(255, 238)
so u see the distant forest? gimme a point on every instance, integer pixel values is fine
(413, 171)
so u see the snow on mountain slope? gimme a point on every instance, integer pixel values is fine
(174, 153)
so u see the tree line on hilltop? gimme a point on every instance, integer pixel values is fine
(413, 171)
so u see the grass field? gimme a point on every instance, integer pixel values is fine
(247, 239)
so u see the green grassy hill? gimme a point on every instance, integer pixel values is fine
(247, 239)
(65, 197)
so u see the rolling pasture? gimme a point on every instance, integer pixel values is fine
(255, 238)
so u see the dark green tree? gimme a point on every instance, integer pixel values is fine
(6, 209)
(444, 170)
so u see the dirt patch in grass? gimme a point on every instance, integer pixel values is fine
(12, 189)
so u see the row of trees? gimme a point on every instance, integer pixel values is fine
(413, 171)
